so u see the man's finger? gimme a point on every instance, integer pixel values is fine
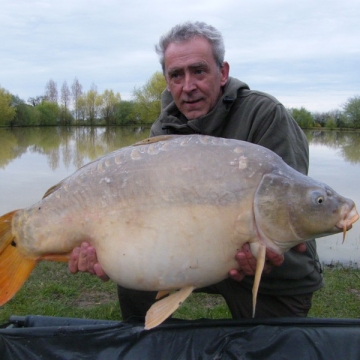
(236, 275)
(83, 261)
(300, 247)
(246, 260)
(100, 272)
(73, 261)
(91, 257)
(273, 258)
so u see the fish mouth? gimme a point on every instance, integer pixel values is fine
(345, 224)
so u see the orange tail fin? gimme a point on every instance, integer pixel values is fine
(15, 268)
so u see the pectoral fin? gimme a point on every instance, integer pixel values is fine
(259, 252)
(163, 308)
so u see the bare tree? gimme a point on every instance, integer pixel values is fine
(51, 92)
(65, 95)
(65, 114)
(76, 92)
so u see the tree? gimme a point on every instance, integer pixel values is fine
(330, 119)
(36, 100)
(7, 111)
(124, 113)
(108, 107)
(319, 119)
(81, 108)
(352, 111)
(26, 115)
(303, 117)
(21, 116)
(76, 92)
(24, 112)
(65, 95)
(51, 92)
(147, 99)
(91, 108)
(65, 115)
(49, 113)
(92, 104)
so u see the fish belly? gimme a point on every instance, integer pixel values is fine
(172, 248)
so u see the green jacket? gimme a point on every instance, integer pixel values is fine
(259, 118)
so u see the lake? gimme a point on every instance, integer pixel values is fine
(34, 159)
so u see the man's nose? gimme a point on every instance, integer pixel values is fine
(189, 83)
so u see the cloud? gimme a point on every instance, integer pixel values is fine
(304, 52)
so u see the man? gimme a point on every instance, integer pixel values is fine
(201, 98)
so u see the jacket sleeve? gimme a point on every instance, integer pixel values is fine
(275, 129)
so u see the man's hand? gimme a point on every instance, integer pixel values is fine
(247, 262)
(84, 259)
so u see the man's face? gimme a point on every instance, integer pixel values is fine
(193, 77)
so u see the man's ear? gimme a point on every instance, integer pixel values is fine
(224, 70)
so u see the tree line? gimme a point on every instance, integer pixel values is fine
(347, 118)
(73, 106)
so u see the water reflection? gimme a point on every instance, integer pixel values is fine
(348, 143)
(75, 145)
(78, 145)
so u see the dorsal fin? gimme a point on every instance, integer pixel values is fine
(52, 189)
(155, 139)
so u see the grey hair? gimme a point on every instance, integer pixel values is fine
(188, 31)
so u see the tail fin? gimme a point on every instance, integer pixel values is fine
(15, 268)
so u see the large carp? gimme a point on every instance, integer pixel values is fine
(170, 213)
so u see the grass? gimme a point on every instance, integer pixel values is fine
(340, 297)
(52, 291)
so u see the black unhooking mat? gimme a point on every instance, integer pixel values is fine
(39, 337)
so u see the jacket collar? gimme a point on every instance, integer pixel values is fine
(210, 124)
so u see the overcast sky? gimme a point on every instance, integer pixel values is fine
(305, 53)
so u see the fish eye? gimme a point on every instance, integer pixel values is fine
(318, 197)
(320, 200)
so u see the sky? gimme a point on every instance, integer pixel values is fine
(305, 53)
